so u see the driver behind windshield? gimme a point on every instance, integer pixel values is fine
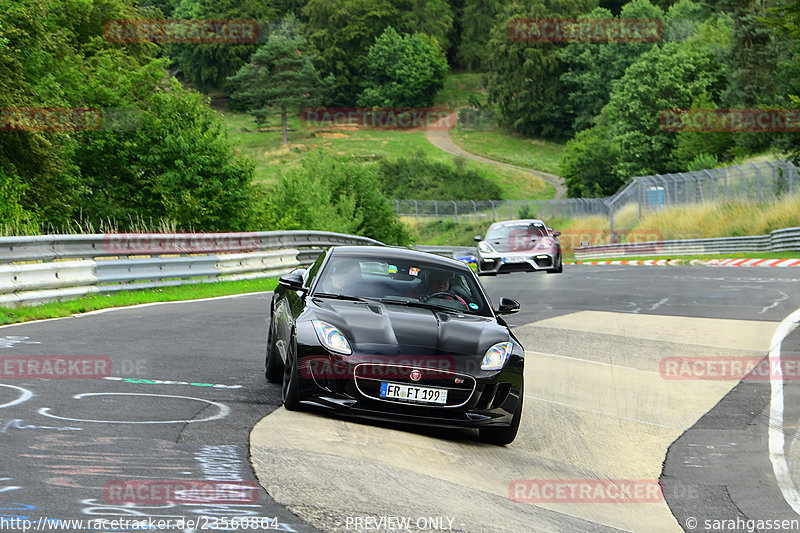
(344, 277)
(437, 283)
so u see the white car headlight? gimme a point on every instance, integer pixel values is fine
(496, 356)
(547, 242)
(485, 248)
(331, 338)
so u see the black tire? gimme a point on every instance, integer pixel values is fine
(290, 390)
(273, 368)
(506, 435)
(559, 269)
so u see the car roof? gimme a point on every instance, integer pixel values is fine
(516, 221)
(396, 253)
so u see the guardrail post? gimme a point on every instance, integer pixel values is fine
(725, 190)
(416, 211)
(774, 179)
(510, 209)
(711, 177)
(493, 216)
(741, 182)
(455, 210)
(474, 211)
(436, 209)
(758, 179)
(641, 196)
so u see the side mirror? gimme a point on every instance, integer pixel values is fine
(556, 233)
(508, 306)
(293, 280)
(478, 238)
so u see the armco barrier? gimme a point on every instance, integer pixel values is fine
(782, 240)
(45, 268)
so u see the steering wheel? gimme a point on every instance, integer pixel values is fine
(444, 294)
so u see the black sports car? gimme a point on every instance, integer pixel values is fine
(396, 335)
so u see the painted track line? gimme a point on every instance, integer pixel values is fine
(777, 453)
(135, 306)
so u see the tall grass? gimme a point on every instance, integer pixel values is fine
(82, 226)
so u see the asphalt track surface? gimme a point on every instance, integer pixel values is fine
(187, 389)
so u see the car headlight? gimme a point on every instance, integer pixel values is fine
(496, 356)
(332, 338)
(485, 248)
(547, 242)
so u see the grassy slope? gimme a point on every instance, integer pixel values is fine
(506, 146)
(264, 147)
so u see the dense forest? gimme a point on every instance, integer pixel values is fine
(171, 160)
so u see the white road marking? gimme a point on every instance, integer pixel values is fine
(25, 395)
(777, 452)
(224, 410)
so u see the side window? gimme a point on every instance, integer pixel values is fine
(312, 272)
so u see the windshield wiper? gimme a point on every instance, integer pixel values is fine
(339, 297)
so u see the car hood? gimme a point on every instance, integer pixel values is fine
(392, 329)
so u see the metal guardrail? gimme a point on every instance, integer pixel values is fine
(55, 267)
(782, 240)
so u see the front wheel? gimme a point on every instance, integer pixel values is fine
(506, 435)
(290, 393)
(559, 268)
(273, 368)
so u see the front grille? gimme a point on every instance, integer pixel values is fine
(369, 376)
(515, 267)
(544, 261)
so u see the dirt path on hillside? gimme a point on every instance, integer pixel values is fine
(440, 138)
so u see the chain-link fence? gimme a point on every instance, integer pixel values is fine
(753, 182)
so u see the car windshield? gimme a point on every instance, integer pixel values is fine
(525, 230)
(408, 282)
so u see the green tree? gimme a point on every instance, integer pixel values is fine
(335, 194)
(476, 20)
(675, 73)
(786, 20)
(592, 68)
(524, 77)
(589, 164)
(279, 75)
(207, 65)
(177, 165)
(341, 34)
(403, 71)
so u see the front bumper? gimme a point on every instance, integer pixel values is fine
(501, 263)
(482, 399)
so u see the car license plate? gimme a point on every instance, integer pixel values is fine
(515, 259)
(413, 393)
